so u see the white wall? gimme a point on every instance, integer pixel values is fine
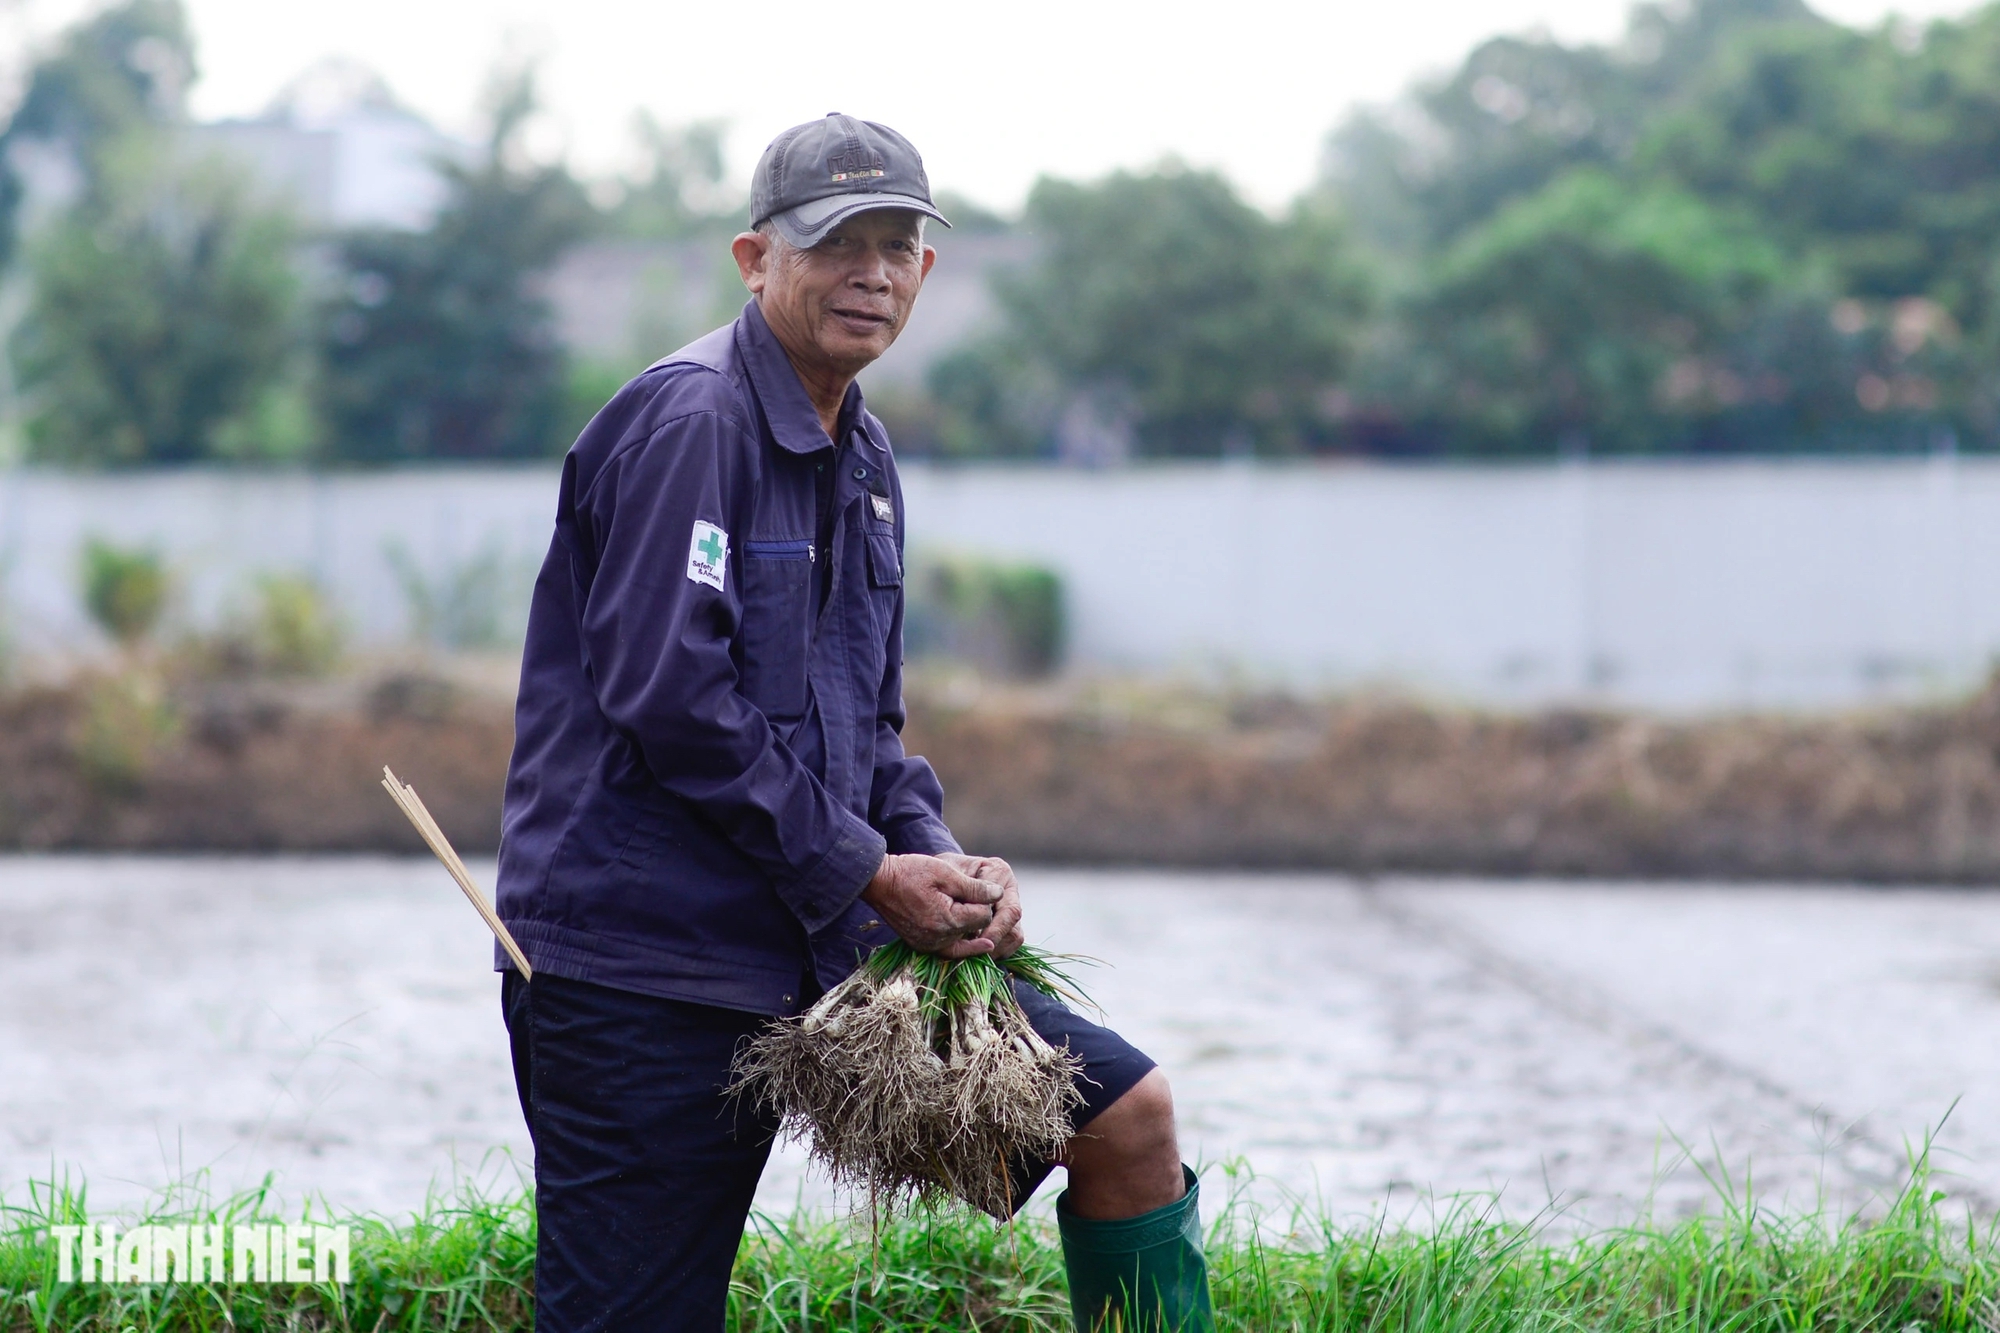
(1675, 585)
(219, 530)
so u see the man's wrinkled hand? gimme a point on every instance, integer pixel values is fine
(934, 905)
(1005, 929)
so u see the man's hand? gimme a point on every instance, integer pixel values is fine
(1005, 929)
(934, 905)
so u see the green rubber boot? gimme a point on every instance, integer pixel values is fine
(1143, 1274)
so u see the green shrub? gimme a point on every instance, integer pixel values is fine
(1005, 618)
(125, 721)
(1028, 601)
(7, 662)
(296, 631)
(467, 605)
(125, 590)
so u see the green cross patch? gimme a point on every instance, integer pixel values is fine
(707, 549)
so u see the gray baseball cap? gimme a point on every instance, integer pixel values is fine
(816, 175)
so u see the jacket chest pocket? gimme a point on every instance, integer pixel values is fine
(885, 568)
(885, 588)
(777, 623)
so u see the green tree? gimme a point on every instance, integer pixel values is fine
(1522, 111)
(1742, 227)
(994, 399)
(1875, 159)
(161, 327)
(127, 67)
(1562, 316)
(437, 343)
(682, 191)
(1165, 300)
(1821, 132)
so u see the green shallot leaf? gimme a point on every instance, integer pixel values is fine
(944, 985)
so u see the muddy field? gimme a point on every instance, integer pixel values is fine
(1365, 1044)
(1083, 775)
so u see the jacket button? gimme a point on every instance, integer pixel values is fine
(861, 474)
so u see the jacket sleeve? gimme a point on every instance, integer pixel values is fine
(906, 801)
(656, 644)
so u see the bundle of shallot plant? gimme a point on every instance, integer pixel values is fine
(919, 1078)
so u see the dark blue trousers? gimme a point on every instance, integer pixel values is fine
(645, 1171)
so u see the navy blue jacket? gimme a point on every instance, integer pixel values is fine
(704, 779)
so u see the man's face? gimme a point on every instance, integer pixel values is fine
(839, 305)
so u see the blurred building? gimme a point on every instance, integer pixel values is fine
(338, 146)
(624, 302)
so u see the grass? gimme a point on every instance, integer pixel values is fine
(1918, 1265)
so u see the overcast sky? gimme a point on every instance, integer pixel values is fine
(992, 95)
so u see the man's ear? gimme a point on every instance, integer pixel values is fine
(752, 251)
(930, 257)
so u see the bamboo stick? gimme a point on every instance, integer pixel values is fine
(412, 806)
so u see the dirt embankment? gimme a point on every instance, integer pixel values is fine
(248, 766)
(1365, 785)
(1911, 794)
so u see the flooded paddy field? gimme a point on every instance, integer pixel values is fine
(1360, 1044)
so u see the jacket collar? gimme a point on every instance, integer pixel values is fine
(793, 420)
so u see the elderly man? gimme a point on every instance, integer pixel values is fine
(709, 814)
